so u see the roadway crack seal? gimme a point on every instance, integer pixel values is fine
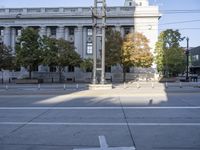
(18, 128)
(129, 129)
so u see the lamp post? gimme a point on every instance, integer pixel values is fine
(187, 60)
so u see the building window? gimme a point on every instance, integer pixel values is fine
(70, 68)
(53, 31)
(17, 69)
(35, 68)
(71, 31)
(130, 4)
(108, 69)
(89, 48)
(89, 32)
(52, 69)
(127, 30)
(195, 57)
(88, 69)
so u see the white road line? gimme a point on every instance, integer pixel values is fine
(102, 141)
(94, 108)
(104, 146)
(98, 124)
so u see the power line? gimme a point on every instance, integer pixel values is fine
(185, 21)
(186, 11)
(180, 28)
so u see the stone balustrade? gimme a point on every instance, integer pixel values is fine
(68, 11)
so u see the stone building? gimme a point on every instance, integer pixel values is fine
(75, 25)
(194, 64)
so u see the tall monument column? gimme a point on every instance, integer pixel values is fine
(103, 41)
(99, 25)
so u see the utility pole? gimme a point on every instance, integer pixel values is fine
(99, 22)
(187, 60)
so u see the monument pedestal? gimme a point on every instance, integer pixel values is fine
(100, 86)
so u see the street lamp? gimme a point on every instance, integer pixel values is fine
(187, 60)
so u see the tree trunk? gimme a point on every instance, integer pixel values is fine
(124, 74)
(30, 76)
(60, 74)
(30, 72)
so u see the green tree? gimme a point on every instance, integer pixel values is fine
(170, 57)
(28, 52)
(59, 53)
(6, 58)
(135, 52)
(87, 64)
(113, 47)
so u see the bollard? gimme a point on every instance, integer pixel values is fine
(77, 86)
(180, 85)
(38, 86)
(166, 84)
(6, 87)
(124, 85)
(138, 85)
(152, 85)
(64, 86)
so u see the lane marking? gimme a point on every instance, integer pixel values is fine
(104, 146)
(94, 108)
(98, 124)
(102, 141)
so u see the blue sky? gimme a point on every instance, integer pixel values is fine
(190, 29)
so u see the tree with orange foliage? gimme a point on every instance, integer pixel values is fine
(135, 52)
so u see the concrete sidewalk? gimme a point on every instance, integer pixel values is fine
(82, 89)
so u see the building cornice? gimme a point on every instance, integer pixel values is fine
(75, 12)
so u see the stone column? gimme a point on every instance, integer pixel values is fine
(24, 27)
(13, 39)
(118, 28)
(43, 31)
(122, 32)
(66, 33)
(78, 41)
(48, 32)
(60, 32)
(132, 30)
(7, 38)
(84, 41)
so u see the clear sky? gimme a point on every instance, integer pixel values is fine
(188, 22)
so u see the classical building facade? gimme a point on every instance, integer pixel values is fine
(75, 24)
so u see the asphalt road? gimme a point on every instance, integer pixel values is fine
(150, 119)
